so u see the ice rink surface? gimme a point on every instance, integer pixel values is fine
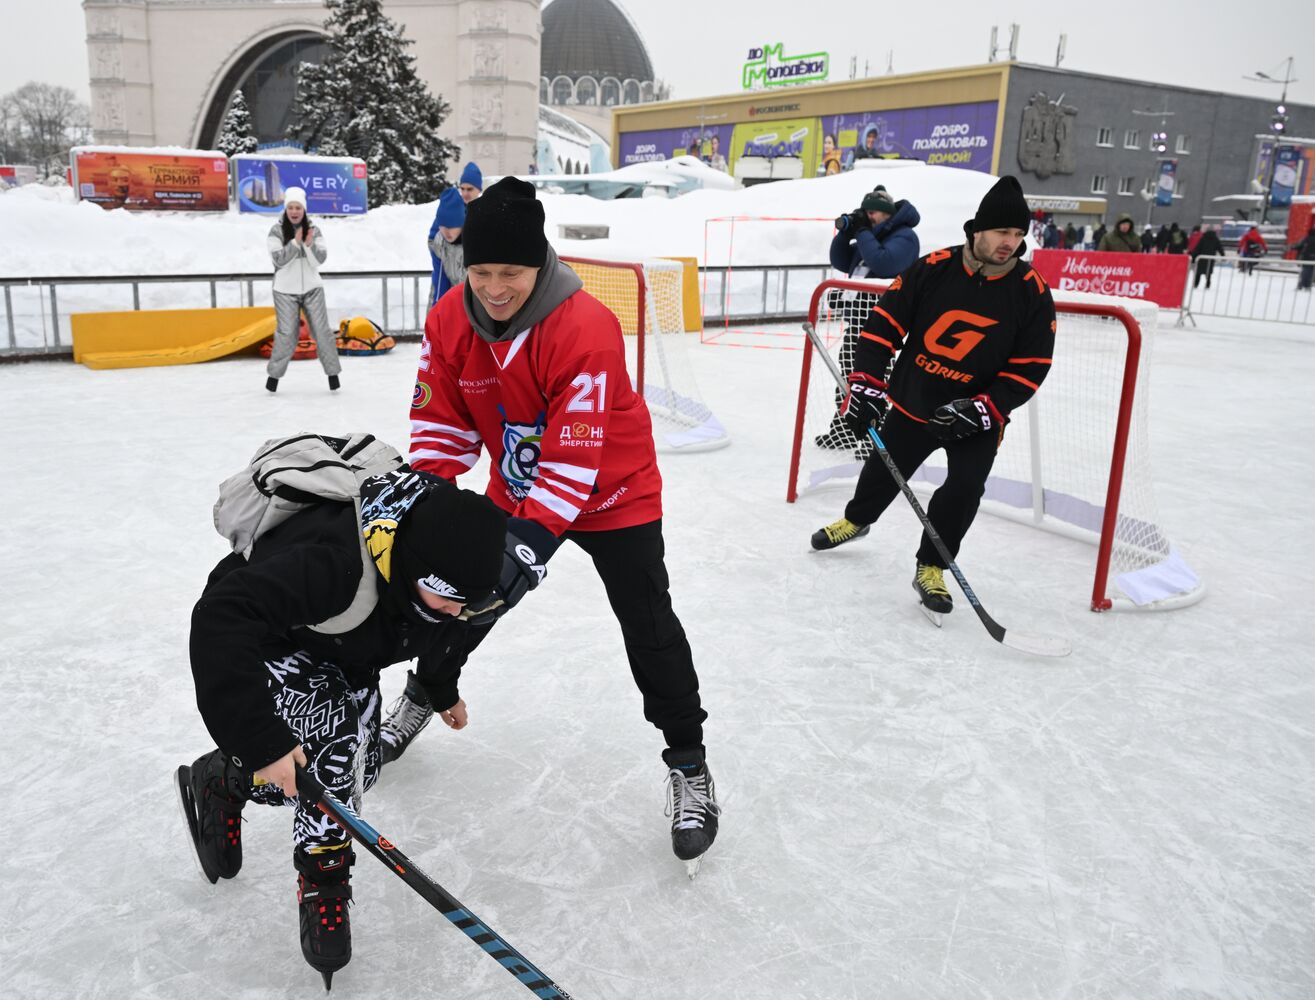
(909, 814)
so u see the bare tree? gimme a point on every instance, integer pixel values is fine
(13, 147)
(51, 120)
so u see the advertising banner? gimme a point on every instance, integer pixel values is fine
(794, 137)
(12, 175)
(1286, 162)
(1165, 181)
(334, 185)
(186, 180)
(709, 143)
(1155, 277)
(950, 135)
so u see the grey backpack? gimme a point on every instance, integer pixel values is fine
(290, 474)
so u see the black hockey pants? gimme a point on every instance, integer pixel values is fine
(954, 504)
(630, 564)
(339, 729)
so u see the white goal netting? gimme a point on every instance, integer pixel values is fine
(648, 299)
(1075, 460)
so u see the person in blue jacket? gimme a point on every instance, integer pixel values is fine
(470, 187)
(874, 241)
(446, 245)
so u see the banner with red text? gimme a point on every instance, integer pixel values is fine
(1155, 277)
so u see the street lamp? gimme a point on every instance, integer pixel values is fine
(1278, 124)
(1159, 145)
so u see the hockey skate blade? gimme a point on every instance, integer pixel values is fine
(692, 867)
(935, 617)
(187, 806)
(1037, 645)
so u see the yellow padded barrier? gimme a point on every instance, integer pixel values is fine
(148, 337)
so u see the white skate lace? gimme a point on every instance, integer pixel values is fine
(689, 799)
(405, 719)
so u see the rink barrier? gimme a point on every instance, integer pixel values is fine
(1267, 289)
(402, 314)
(751, 294)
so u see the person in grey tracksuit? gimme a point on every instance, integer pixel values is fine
(297, 249)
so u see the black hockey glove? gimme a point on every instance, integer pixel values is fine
(865, 405)
(961, 418)
(524, 566)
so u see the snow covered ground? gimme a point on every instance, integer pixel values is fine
(908, 813)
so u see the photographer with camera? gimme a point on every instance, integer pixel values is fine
(875, 240)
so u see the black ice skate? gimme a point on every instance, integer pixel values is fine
(408, 716)
(324, 891)
(212, 792)
(838, 437)
(692, 806)
(929, 582)
(838, 533)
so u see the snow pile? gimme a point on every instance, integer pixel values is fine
(47, 233)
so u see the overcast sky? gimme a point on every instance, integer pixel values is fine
(698, 46)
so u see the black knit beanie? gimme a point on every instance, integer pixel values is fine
(1004, 207)
(504, 225)
(451, 542)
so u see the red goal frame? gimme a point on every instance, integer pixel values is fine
(1114, 487)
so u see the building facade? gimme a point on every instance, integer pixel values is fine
(1072, 138)
(164, 71)
(593, 59)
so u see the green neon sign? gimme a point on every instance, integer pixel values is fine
(767, 67)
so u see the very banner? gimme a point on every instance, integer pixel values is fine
(334, 185)
(1155, 277)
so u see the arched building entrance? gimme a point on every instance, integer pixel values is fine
(164, 71)
(267, 76)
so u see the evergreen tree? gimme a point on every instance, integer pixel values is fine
(236, 135)
(365, 100)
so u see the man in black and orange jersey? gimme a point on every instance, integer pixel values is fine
(974, 330)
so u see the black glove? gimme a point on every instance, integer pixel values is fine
(842, 223)
(865, 405)
(961, 418)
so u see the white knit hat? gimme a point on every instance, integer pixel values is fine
(294, 194)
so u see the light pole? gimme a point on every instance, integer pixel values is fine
(1278, 125)
(1158, 145)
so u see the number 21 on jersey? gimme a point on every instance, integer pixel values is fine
(591, 393)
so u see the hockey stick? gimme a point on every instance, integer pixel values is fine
(533, 978)
(1036, 644)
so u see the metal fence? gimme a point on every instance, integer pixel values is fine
(759, 294)
(37, 309)
(1277, 291)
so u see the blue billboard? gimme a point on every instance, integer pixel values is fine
(334, 185)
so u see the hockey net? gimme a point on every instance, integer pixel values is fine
(1075, 460)
(647, 299)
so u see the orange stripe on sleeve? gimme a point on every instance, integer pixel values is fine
(1031, 385)
(891, 319)
(880, 340)
(1030, 361)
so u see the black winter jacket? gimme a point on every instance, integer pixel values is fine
(304, 571)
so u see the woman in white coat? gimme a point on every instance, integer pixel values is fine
(297, 249)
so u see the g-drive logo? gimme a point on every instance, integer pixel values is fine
(767, 67)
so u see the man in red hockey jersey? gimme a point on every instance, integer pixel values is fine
(526, 365)
(974, 329)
